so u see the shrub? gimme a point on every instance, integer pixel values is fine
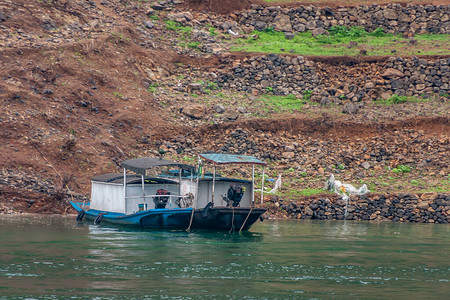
(194, 45)
(396, 99)
(402, 169)
(307, 95)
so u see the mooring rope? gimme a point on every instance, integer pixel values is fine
(251, 208)
(232, 219)
(190, 222)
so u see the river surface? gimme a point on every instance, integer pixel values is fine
(55, 258)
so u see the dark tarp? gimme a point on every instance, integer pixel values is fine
(221, 158)
(139, 165)
(118, 178)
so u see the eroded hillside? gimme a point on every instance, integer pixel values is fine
(87, 84)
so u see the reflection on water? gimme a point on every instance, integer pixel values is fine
(346, 231)
(55, 258)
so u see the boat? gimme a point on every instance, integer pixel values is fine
(223, 203)
(140, 200)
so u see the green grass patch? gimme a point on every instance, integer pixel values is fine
(118, 95)
(272, 103)
(306, 192)
(396, 99)
(402, 169)
(375, 43)
(152, 87)
(194, 45)
(177, 27)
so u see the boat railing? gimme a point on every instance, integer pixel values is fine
(174, 201)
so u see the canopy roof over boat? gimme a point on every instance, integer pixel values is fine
(139, 165)
(221, 159)
(118, 178)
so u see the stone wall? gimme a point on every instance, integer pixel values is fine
(426, 208)
(393, 18)
(354, 80)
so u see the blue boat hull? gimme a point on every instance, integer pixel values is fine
(177, 218)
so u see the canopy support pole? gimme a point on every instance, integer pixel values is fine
(262, 186)
(179, 181)
(143, 190)
(253, 185)
(214, 184)
(198, 182)
(191, 182)
(124, 184)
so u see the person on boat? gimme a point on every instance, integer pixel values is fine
(234, 195)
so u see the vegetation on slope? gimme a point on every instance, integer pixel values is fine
(344, 41)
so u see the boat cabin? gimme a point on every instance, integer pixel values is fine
(134, 191)
(222, 191)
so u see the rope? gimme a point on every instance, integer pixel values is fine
(232, 219)
(251, 208)
(190, 222)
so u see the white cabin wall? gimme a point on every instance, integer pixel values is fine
(221, 188)
(188, 186)
(135, 190)
(204, 194)
(107, 197)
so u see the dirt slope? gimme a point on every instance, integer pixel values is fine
(75, 98)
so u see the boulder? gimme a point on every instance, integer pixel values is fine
(369, 85)
(219, 108)
(325, 101)
(158, 6)
(148, 24)
(392, 73)
(181, 17)
(423, 205)
(349, 108)
(288, 155)
(282, 23)
(430, 196)
(201, 17)
(398, 84)
(242, 110)
(195, 86)
(390, 14)
(260, 25)
(310, 25)
(3, 17)
(420, 87)
(231, 116)
(300, 27)
(319, 31)
(225, 26)
(289, 35)
(195, 111)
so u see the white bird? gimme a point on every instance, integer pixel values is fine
(232, 32)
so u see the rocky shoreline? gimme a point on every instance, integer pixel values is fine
(47, 198)
(424, 208)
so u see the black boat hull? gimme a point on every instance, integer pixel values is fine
(226, 218)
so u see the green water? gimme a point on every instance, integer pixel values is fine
(54, 258)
